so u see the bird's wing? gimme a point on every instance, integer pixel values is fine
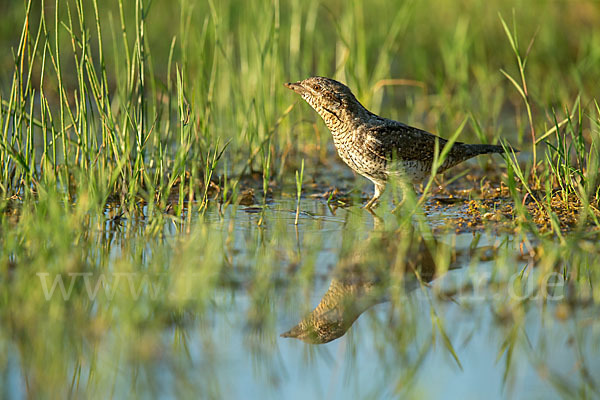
(396, 141)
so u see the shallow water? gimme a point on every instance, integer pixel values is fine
(227, 343)
(368, 362)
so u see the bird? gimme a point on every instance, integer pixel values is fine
(375, 147)
(337, 311)
(363, 276)
(361, 280)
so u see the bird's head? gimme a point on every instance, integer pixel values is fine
(328, 97)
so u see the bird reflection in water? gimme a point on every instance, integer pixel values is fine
(361, 279)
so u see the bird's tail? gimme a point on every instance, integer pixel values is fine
(473, 150)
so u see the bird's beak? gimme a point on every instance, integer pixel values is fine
(296, 87)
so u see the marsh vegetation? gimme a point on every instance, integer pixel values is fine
(168, 209)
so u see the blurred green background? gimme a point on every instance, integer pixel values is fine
(234, 56)
(115, 120)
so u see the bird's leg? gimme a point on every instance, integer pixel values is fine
(379, 188)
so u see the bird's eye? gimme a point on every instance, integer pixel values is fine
(316, 87)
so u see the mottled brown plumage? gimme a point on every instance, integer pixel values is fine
(343, 303)
(375, 147)
(360, 281)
